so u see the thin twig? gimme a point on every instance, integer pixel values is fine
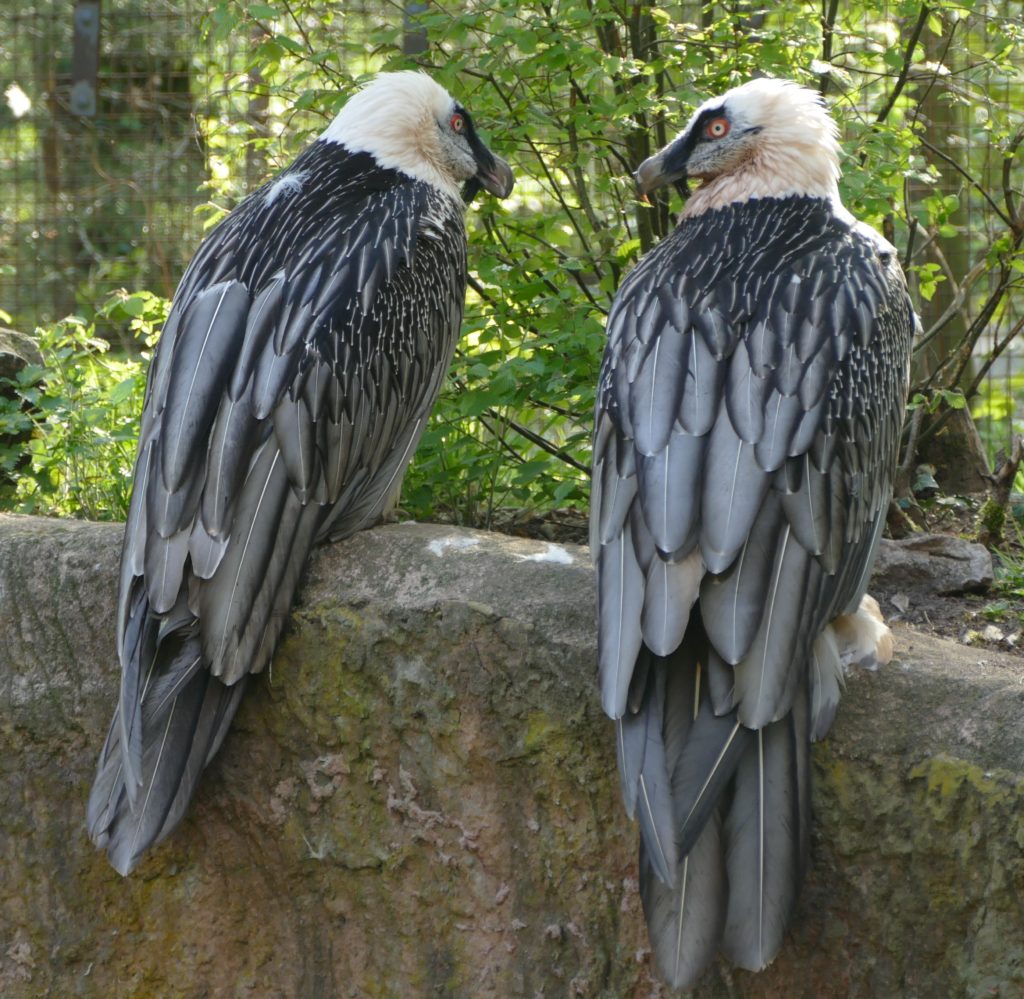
(908, 57)
(963, 173)
(954, 306)
(993, 356)
(910, 454)
(541, 442)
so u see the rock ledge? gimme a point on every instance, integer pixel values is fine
(421, 799)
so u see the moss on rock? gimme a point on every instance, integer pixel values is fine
(420, 798)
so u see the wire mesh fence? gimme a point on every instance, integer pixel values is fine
(104, 194)
(107, 194)
(101, 199)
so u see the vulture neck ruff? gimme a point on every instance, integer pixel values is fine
(396, 120)
(796, 154)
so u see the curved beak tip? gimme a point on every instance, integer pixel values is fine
(649, 175)
(497, 179)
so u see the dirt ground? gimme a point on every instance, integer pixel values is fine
(993, 620)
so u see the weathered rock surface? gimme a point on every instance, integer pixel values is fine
(421, 800)
(935, 564)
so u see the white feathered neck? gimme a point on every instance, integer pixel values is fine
(796, 153)
(395, 119)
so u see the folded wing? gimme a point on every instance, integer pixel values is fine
(303, 352)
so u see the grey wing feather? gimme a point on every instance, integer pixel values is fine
(734, 489)
(806, 507)
(705, 766)
(748, 415)
(766, 674)
(619, 628)
(654, 793)
(699, 406)
(227, 598)
(255, 382)
(203, 355)
(670, 493)
(657, 390)
(732, 602)
(670, 590)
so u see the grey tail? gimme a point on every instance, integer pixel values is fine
(738, 806)
(185, 713)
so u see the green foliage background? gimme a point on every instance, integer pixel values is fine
(574, 95)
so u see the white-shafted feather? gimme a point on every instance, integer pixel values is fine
(620, 630)
(670, 591)
(304, 349)
(762, 833)
(686, 920)
(765, 676)
(747, 424)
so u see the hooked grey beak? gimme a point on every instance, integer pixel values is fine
(665, 167)
(496, 177)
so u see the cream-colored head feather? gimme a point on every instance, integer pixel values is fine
(767, 138)
(792, 147)
(396, 118)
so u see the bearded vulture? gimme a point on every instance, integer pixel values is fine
(304, 349)
(747, 424)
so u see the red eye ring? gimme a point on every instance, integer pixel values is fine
(718, 128)
(458, 123)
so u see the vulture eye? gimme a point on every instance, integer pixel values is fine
(717, 129)
(458, 123)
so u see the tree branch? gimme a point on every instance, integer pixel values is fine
(946, 158)
(1016, 221)
(828, 24)
(908, 57)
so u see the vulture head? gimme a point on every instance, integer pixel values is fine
(767, 138)
(408, 122)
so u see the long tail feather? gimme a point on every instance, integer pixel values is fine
(762, 832)
(686, 915)
(685, 921)
(182, 721)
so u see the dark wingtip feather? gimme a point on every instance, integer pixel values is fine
(179, 735)
(685, 921)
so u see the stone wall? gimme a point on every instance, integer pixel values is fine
(421, 800)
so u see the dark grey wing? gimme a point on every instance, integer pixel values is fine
(302, 355)
(747, 423)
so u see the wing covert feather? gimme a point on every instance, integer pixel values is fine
(298, 365)
(746, 427)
